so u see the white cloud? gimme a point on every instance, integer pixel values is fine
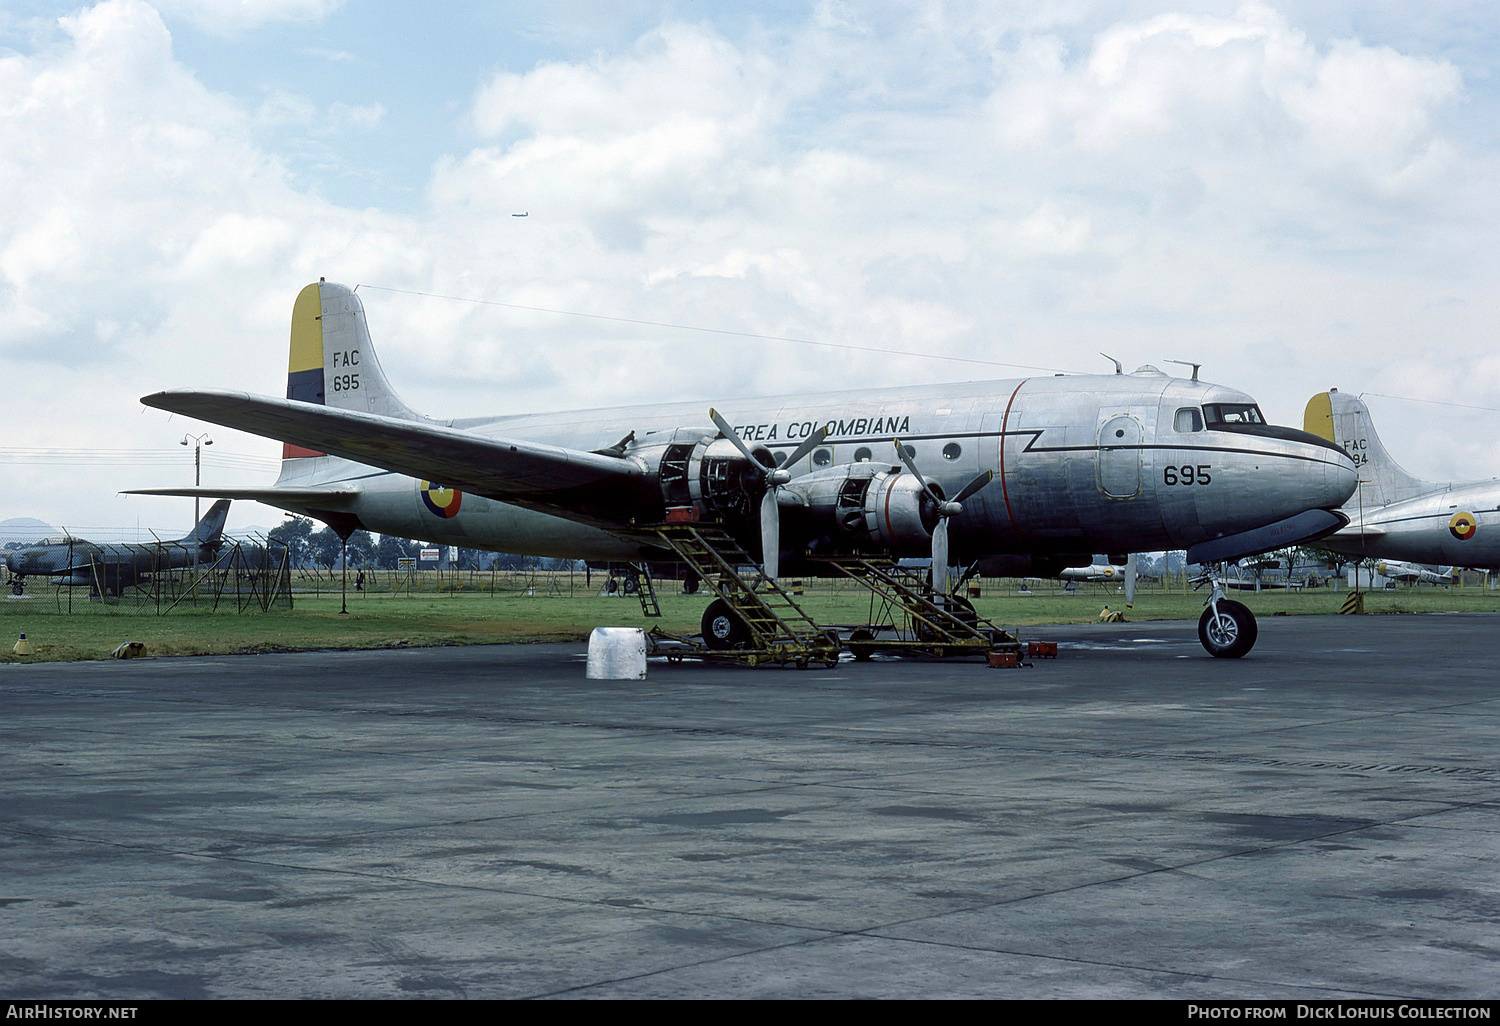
(1294, 211)
(143, 228)
(234, 17)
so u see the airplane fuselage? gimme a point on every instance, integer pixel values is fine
(1456, 525)
(1086, 463)
(108, 566)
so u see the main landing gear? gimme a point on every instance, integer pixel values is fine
(1227, 628)
(722, 626)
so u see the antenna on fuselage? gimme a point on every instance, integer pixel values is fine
(1185, 363)
(1111, 359)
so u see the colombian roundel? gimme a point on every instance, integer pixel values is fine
(1463, 526)
(444, 502)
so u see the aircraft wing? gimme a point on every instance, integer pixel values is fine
(580, 485)
(301, 496)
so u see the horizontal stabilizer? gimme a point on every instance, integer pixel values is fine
(271, 496)
(509, 470)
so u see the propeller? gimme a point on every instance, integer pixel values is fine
(1130, 574)
(946, 508)
(775, 477)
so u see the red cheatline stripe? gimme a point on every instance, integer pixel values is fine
(1004, 484)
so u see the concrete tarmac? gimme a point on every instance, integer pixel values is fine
(1320, 820)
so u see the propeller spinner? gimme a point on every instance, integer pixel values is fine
(775, 477)
(946, 509)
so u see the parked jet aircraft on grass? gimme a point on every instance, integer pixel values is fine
(1104, 573)
(109, 568)
(1412, 573)
(1396, 516)
(1080, 464)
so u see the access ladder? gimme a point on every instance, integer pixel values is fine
(777, 628)
(936, 624)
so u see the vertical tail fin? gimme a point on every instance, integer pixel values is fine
(210, 530)
(332, 360)
(1345, 420)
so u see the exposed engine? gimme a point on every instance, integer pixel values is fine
(862, 506)
(698, 468)
(870, 507)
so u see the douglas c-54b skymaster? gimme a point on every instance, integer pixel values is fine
(1040, 472)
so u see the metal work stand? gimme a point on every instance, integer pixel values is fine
(932, 624)
(765, 625)
(773, 628)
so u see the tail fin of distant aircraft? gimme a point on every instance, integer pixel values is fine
(1345, 420)
(332, 360)
(210, 530)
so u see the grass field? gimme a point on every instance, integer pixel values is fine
(472, 615)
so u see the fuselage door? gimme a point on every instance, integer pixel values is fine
(1120, 457)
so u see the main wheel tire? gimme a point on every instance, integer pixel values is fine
(722, 627)
(1229, 635)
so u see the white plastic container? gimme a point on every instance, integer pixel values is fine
(617, 653)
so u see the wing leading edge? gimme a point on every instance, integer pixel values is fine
(582, 486)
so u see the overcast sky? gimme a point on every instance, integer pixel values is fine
(1295, 194)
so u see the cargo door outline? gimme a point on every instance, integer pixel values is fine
(1119, 441)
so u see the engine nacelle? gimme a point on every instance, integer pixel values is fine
(865, 506)
(700, 468)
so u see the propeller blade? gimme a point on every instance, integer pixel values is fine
(770, 534)
(940, 557)
(729, 433)
(1130, 580)
(911, 466)
(809, 443)
(974, 485)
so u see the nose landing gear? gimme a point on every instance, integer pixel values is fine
(1227, 628)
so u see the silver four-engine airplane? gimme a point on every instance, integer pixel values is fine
(1036, 472)
(109, 568)
(1396, 516)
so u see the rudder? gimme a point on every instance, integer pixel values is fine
(210, 530)
(332, 360)
(1345, 420)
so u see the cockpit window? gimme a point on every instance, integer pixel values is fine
(1232, 413)
(1188, 419)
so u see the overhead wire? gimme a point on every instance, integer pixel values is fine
(876, 350)
(55, 456)
(1432, 402)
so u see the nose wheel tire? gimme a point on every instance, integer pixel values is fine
(722, 627)
(1231, 633)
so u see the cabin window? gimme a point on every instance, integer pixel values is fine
(822, 457)
(952, 451)
(862, 454)
(1232, 413)
(1188, 419)
(911, 453)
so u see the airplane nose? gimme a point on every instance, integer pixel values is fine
(1340, 481)
(1331, 477)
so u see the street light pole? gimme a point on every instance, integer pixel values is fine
(199, 441)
